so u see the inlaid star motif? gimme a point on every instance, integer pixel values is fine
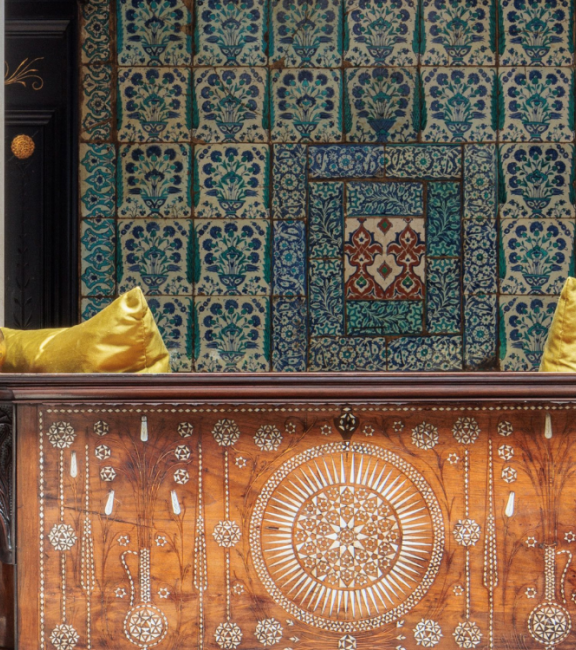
(62, 537)
(427, 633)
(227, 533)
(268, 631)
(268, 438)
(467, 532)
(228, 635)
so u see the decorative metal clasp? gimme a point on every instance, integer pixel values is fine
(346, 423)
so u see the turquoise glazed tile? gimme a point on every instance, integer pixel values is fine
(95, 31)
(385, 199)
(480, 181)
(97, 180)
(459, 32)
(232, 257)
(425, 354)
(155, 255)
(536, 33)
(306, 33)
(289, 255)
(231, 334)
(524, 325)
(345, 161)
(230, 105)
(154, 181)
(538, 105)
(424, 161)
(383, 317)
(96, 103)
(460, 104)
(381, 105)
(326, 298)
(536, 255)
(379, 32)
(443, 308)
(338, 354)
(230, 33)
(98, 246)
(537, 181)
(443, 219)
(289, 182)
(289, 334)
(174, 317)
(480, 332)
(306, 105)
(480, 258)
(153, 104)
(231, 181)
(326, 220)
(91, 306)
(153, 32)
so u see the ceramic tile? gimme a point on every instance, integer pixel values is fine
(378, 32)
(425, 354)
(347, 354)
(91, 306)
(326, 220)
(381, 105)
(96, 103)
(97, 180)
(326, 298)
(98, 247)
(156, 255)
(289, 255)
(480, 332)
(230, 105)
(480, 181)
(536, 256)
(459, 104)
(307, 33)
(383, 317)
(306, 105)
(154, 181)
(230, 33)
(289, 182)
(345, 161)
(385, 199)
(524, 325)
(153, 32)
(480, 257)
(289, 334)
(232, 181)
(537, 181)
(232, 257)
(231, 334)
(535, 32)
(537, 105)
(459, 33)
(174, 317)
(424, 161)
(443, 304)
(153, 105)
(443, 219)
(95, 32)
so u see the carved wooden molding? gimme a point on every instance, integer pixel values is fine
(6, 486)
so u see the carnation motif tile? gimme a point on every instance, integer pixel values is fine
(289, 255)
(381, 105)
(232, 181)
(383, 317)
(289, 182)
(96, 103)
(174, 317)
(459, 32)
(153, 32)
(347, 354)
(480, 332)
(537, 180)
(306, 33)
(289, 334)
(379, 32)
(230, 105)
(424, 161)
(480, 181)
(536, 255)
(232, 257)
(97, 180)
(325, 220)
(326, 297)
(98, 247)
(425, 354)
(443, 219)
(154, 181)
(345, 161)
(306, 105)
(230, 33)
(536, 33)
(153, 104)
(385, 199)
(480, 257)
(231, 334)
(95, 31)
(537, 105)
(91, 306)
(524, 325)
(443, 304)
(156, 255)
(460, 104)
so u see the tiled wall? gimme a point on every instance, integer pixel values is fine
(331, 184)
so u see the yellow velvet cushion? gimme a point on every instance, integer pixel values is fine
(123, 337)
(560, 349)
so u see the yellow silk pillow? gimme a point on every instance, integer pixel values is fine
(123, 337)
(560, 349)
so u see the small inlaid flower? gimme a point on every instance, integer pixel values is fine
(427, 633)
(124, 540)
(453, 459)
(326, 430)
(268, 437)
(182, 452)
(241, 462)
(226, 432)
(466, 430)
(268, 631)
(161, 540)
(458, 590)
(163, 592)
(62, 537)
(61, 435)
(368, 430)
(509, 474)
(505, 428)
(570, 536)
(120, 592)
(531, 542)
(107, 473)
(238, 589)
(506, 452)
(101, 428)
(181, 476)
(530, 592)
(425, 436)
(185, 429)
(227, 533)
(398, 426)
(102, 452)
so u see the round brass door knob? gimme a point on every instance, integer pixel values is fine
(22, 146)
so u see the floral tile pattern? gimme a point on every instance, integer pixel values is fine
(289, 334)
(425, 354)
(96, 103)
(97, 264)
(342, 161)
(91, 306)
(289, 187)
(354, 354)
(174, 317)
(480, 332)
(289, 254)
(95, 31)
(430, 162)
(97, 180)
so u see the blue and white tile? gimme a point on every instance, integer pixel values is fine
(326, 297)
(174, 318)
(153, 104)
(96, 103)
(97, 180)
(289, 255)
(289, 182)
(91, 306)
(425, 353)
(384, 317)
(289, 334)
(232, 181)
(480, 256)
(154, 180)
(95, 32)
(424, 161)
(326, 220)
(98, 248)
(384, 199)
(345, 161)
(347, 354)
(443, 300)
(480, 331)
(443, 219)
(480, 181)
